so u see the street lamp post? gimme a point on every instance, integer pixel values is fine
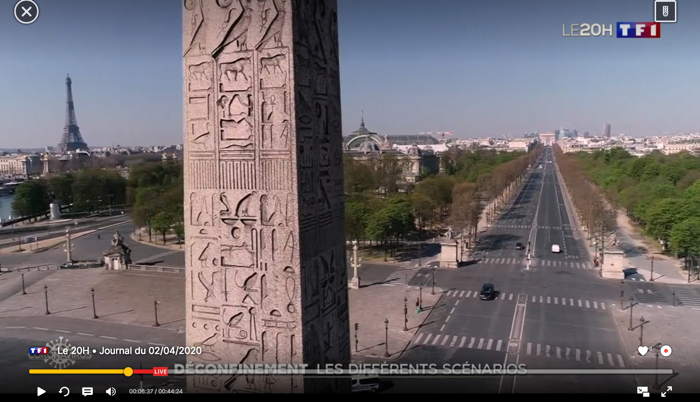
(46, 298)
(642, 322)
(355, 281)
(386, 337)
(651, 276)
(656, 348)
(420, 298)
(405, 313)
(432, 291)
(155, 312)
(357, 327)
(94, 311)
(24, 291)
(632, 304)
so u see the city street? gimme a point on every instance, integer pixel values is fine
(91, 246)
(552, 311)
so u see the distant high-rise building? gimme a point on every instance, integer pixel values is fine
(71, 140)
(607, 130)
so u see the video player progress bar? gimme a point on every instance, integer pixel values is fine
(446, 372)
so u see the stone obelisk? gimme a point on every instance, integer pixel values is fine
(265, 253)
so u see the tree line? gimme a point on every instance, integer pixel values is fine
(155, 193)
(659, 192)
(379, 209)
(595, 213)
(85, 190)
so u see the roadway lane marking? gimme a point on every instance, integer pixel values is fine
(63, 331)
(571, 301)
(460, 295)
(481, 343)
(41, 329)
(503, 296)
(457, 303)
(510, 296)
(558, 352)
(588, 356)
(579, 303)
(442, 328)
(131, 340)
(556, 300)
(437, 337)
(534, 299)
(546, 350)
(595, 304)
(14, 327)
(452, 311)
(588, 304)
(108, 337)
(610, 360)
(418, 338)
(444, 340)
(549, 300)
(427, 338)
(471, 342)
(468, 293)
(84, 334)
(454, 340)
(541, 299)
(578, 354)
(529, 348)
(567, 353)
(602, 305)
(464, 339)
(499, 344)
(488, 346)
(600, 357)
(620, 361)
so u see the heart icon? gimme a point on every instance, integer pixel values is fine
(643, 350)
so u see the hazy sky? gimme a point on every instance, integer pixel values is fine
(478, 68)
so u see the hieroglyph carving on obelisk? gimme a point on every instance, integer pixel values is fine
(265, 255)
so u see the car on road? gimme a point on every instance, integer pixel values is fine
(488, 291)
(365, 384)
(556, 248)
(519, 246)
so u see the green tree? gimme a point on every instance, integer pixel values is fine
(686, 236)
(60, 188)
(31, 198)
(162, 222)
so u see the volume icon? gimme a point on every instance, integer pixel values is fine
(111, 391)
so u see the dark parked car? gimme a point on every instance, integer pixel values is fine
(488, 291)
(519, 246)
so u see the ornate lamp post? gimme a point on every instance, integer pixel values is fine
(355, 281)
(405, 313)
(46, 298)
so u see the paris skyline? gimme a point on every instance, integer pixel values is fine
(502, 69)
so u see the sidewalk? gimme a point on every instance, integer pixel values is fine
(120, 296)
(371, 305)
(143, 239)
(638, 252)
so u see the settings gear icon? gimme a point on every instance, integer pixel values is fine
(56, 360)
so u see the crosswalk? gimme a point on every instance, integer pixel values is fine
(688, 297)
(473, 294)
(460, 341)
(586, 304)
(537, 263)
(601, 358)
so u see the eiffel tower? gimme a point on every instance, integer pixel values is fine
(71, 140)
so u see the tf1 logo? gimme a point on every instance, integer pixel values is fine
(38, 350)
(638, 30)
